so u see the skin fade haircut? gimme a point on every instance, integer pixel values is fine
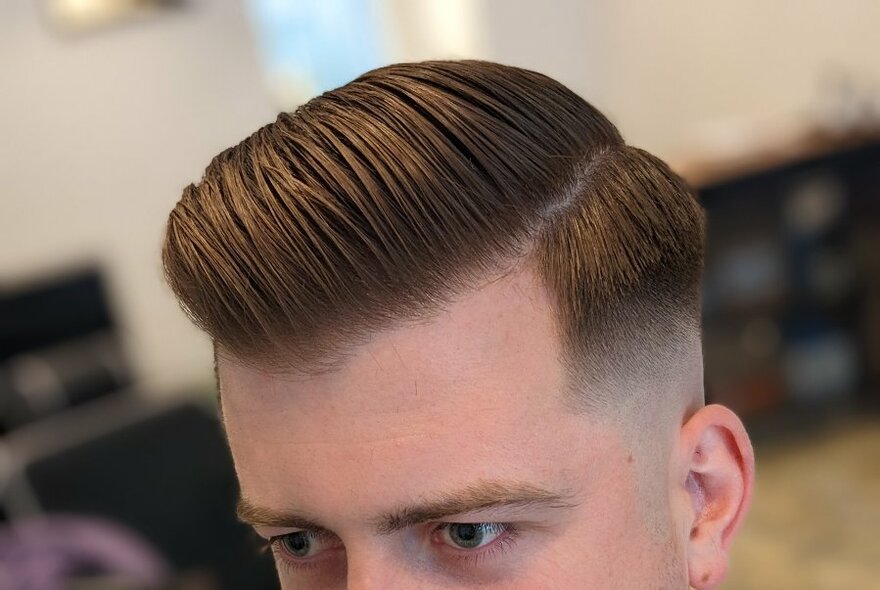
(374, 204)
(456, 324)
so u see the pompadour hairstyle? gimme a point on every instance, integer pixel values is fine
(375, 203)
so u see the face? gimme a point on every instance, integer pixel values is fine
(443, 455)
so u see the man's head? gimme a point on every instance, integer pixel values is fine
(456, 321)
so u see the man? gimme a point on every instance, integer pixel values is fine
(457, 328)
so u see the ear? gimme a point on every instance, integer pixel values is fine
(716, 473)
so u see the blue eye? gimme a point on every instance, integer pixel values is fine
(296, 544)
(301, 545)
(471, 535)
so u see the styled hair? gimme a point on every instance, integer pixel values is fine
(375, 203)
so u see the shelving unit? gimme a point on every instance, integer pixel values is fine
(792, 285)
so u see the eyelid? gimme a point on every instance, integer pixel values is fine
(495, 531)
(269, 533)
(497, 546)
(441, 525)
(274, 543)
(508, 537)
(314, 534)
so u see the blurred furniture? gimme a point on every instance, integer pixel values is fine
(792, 284)
(53, 552)
(161, 469)
(59, 347)
(77, 439)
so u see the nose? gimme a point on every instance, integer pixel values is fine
(383, 572)
(377, 577)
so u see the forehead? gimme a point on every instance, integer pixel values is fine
(474, 393)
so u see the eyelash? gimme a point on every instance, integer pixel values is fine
(472, 558)
(497, 547)
(273, 545)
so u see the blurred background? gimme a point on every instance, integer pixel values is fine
(113, 472)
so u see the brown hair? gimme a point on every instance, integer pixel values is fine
(374, 203)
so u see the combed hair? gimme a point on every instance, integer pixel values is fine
(375, 203)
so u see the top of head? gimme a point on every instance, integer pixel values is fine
(375, 203)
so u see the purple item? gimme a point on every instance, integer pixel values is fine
(45, 553)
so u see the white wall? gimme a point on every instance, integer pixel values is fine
(678, 74)
(99, 134)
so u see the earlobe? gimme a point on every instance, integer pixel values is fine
(720, 470)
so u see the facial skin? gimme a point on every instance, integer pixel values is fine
(462, 419)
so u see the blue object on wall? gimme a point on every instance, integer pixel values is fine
(310, 46)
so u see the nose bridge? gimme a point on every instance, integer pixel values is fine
(381, 570)
(375, 574)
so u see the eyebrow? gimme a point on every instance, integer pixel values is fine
(259, 516)
(483, 495)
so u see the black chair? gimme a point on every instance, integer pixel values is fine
(59, 347)
(161, 469)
